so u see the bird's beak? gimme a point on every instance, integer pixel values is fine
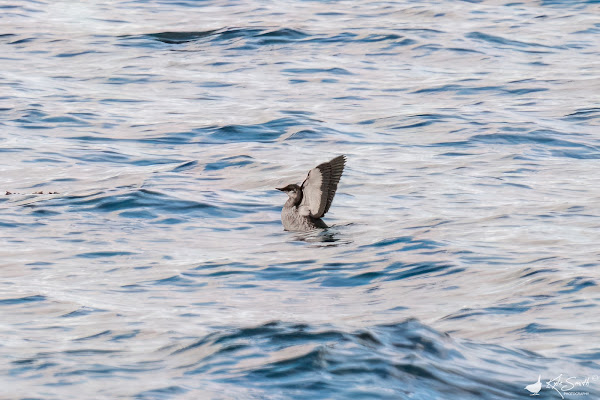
(282, 189)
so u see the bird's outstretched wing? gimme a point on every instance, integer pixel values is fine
(319, 187)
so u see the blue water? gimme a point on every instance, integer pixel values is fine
(463, 256)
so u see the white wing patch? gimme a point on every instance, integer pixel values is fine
(311, 191)
(319, 187)
(304, 211)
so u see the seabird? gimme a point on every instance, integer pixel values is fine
(308, 203)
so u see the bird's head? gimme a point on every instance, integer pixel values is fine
(292, 190)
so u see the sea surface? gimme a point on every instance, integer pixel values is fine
(142, 254)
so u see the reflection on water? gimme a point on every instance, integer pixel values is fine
(462, 256)
(323, 237)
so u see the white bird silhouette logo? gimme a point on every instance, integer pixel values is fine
(534, 388)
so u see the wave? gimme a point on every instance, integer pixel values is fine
(396, 361)
(252, 38)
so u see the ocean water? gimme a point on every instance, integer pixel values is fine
(463, 258)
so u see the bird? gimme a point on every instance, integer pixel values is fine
(308, 202)
(534, 388)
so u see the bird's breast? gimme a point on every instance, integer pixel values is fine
(293, 221)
